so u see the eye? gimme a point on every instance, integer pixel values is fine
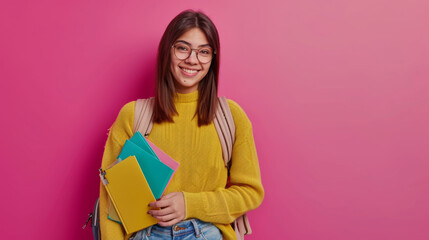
(205, 51)
(182, 48)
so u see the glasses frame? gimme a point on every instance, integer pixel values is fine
(190, 53)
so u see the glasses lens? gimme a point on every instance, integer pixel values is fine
(205, 55)
(182, 51)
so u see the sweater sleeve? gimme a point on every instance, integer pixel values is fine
(118, 133)
(246, 191)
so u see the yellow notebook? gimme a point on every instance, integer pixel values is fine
(130, 193)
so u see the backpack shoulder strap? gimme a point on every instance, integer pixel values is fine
(225, 128)
(143, 114)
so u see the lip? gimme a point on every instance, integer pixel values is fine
(189, 74)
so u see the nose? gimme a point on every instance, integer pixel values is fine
(192, 59)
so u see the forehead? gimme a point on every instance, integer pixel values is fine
(194, 37)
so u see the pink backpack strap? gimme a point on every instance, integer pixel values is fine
(241, 226)
(143, 114)
(225, 128)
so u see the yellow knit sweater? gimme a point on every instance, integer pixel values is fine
(202, 174)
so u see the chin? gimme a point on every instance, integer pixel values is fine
(187, 86)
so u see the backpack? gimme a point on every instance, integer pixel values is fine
(225, 128)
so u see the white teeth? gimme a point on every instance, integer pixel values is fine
(189, 70)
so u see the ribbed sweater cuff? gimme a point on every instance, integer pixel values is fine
(195, 203)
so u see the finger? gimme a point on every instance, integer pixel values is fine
(161, 212)
(168, 223)
(166, 218)
(160, 203)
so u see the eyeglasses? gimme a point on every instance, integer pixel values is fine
(183, 51)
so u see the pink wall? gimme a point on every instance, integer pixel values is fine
(337, 92)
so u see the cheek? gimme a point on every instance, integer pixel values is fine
(206, 69)
(174, 66)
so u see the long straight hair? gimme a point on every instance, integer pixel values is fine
(165, 90)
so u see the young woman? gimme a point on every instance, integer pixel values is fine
(196, 202)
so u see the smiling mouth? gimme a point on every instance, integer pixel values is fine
(190, 71)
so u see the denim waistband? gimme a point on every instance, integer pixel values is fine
(181, 228)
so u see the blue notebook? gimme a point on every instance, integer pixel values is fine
(139, 140)
(156, 172)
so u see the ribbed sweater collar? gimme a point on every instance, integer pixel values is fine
(186, 97)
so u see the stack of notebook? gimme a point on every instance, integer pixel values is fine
(140, 176)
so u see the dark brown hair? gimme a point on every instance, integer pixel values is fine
(165, 90)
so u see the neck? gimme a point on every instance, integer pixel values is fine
(186, 97)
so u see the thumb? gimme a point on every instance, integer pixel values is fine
(168, 196)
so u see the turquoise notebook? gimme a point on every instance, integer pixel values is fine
(139, 140)
(156, 173)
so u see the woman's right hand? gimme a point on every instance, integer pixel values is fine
(173, 209)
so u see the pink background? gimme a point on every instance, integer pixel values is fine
(337, 92)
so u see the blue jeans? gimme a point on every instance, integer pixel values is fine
(185, 230)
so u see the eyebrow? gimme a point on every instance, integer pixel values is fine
(185, 42)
